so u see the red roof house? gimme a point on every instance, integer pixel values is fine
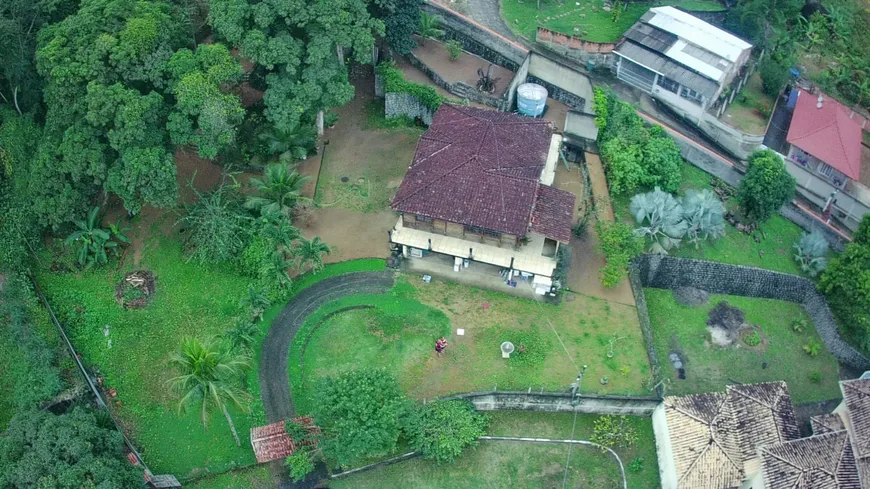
(481, 168)
(821, 127)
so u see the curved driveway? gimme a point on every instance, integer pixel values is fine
(274, 378)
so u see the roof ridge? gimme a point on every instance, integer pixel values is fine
(430, 182)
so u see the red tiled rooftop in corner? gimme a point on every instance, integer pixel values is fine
(827, 133)
(553, 213)
(481, 168)
(271, 442)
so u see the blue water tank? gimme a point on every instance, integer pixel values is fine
(531, 99)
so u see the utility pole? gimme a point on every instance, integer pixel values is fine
(575, 386)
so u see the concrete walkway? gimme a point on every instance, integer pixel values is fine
(488, 14)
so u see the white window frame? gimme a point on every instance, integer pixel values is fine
(826, 169)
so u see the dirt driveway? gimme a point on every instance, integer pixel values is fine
(352, 234)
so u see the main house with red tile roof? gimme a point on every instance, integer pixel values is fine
(480, 189)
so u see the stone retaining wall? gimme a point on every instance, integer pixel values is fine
(460, 89)
(397, 104)
(667, 272)
(554, 402)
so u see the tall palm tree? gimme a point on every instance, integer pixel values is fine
(292, 144)
(278, 230)
(310, 253)
(430, 27)
(279, 190)
(209, 376)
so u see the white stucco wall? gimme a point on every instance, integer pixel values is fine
(664, 451)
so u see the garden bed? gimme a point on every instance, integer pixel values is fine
(778, 355)
(356, 338)
(525, 465)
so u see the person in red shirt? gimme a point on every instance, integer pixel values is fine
(440, 345)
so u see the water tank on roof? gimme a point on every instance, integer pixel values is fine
(531, 99)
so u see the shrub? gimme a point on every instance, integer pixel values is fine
(619, 245)
(799, 325)
(704, 216)
(441, 430)
(766, 187)
(614, 432)
(816, 377)
(811, 250)
(660, 217)
(601, 103)
(394, 81)
(752, 338)
(299, 464)
(636, 465)
(813, 348)
(846, 285)
(774, 76)
(662, 161)
(454, 49)
(623, 164)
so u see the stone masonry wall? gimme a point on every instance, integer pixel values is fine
(556, 93)
(560, 402)
(667, 272)
(404, 104)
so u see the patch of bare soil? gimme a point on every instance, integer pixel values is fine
(135, 289)
(205, 174)
(690, 296)
(352, 234)
(434, 55)
(725, 323)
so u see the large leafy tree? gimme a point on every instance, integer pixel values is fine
(299, 43)
(19, 228)
(208, 380)
(359, 412)
(400, 18)
(105, 127)
(441, 430)
(766, 187)
(204, 116)
(846, 284)
(69, 451)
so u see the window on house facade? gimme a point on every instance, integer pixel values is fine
(484, 231)
(669, 85)
(826, 170)
(691, 95)
(423, 218)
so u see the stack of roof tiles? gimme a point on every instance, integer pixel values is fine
(482, 168)
(271, 442)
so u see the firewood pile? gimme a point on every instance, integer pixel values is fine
(134, 291)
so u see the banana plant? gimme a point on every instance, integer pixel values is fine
(93, 242)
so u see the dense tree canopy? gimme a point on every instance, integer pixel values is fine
(75, 450)
(299, 44)
(766, 187)
(846, 284)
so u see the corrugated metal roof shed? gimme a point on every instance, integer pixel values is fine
(667, 67)
(696, 31)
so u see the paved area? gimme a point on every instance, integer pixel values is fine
(463, 69)
(488, 14)
(274, 379)
(482, 275)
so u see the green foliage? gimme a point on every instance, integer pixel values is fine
(634, 155)
(296, 44)
(704, 216)
(618, 243)
(359, 412)
(400, 18)
(441, 430)
(208, 378)
(299, 464)
(811, 250)
(813, 348)
(217, 227)
(309, 254)
(815, 377)
(69, 451)
(752, 338)
(531, 346)
(846, 285)
(454, 49)
(660, 217)
(279, 190)
(774, 76)
(766, 187)
(429, 27)
(636, 465)
(256, 302)
(799, 325)
(614, 432)
(292, 144)
(204, 116)
(19, 226)
(242, 336)
(94, 242)
(394, 82)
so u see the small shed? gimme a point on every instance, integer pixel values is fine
(271, 442)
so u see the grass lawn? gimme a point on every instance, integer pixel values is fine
(710, 368)
(773, 253)
(191, 300)
(751, 108)
(253, 478)
(472, 362)
(524, 465)
(11, 357)
(587, 20)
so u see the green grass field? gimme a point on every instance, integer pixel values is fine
(709, 367)
(369, 337)
(251, 478)
(519, 465)
(191, 300)
(585, 19)
(774, 252)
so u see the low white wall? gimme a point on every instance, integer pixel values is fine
(817, 191)
(664, 450)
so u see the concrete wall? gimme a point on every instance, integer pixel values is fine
(687, 110)
(560, 402)
(405, 104)
(667, 272)
(563, 83)
(460, 89)
(664, 450)
(477, 39)
(519, 78)
(737, 143)
(816, 189)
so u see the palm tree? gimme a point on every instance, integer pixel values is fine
(276, 268)
(241, 337)
(279, 190)
(208, 379)
(279, 231)
(256, 301)
(430, 27)
(292, 144)
(311, 253)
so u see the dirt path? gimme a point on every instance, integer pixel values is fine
(274, 379)
(585, 257)
(353, 234)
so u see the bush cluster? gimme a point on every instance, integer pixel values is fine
(394, 82)
(619, 245)
(846, 285)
